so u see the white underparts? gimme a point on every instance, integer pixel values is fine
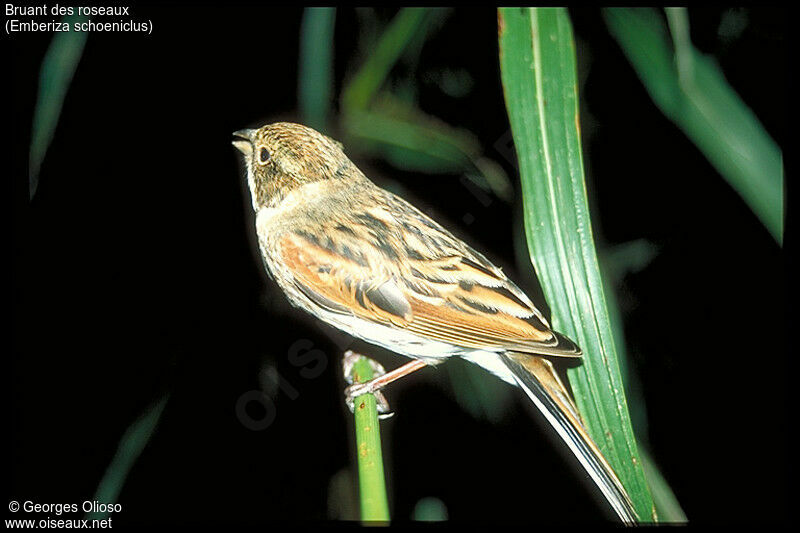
(406, 343)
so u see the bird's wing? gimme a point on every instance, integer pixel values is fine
(392, 267)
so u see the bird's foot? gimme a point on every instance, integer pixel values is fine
(370, 387)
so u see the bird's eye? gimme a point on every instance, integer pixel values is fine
(263, 156)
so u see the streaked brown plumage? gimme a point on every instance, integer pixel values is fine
(368, 262)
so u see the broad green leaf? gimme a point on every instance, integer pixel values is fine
(58, 67)
(537, 60)
(689, 88)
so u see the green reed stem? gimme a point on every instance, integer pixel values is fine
(371, 482)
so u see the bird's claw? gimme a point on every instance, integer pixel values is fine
(359, 389)
(354, 391)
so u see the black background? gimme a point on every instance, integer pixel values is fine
(135, 274)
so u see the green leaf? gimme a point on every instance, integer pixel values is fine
(389, 125)
(315, 83)
(537, 60)
(58, 67)
(411, 140)
(692, 92)
(130, 447)
(403, 31)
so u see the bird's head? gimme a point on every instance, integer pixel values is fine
(283, 156)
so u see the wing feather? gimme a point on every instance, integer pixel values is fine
(445, 292)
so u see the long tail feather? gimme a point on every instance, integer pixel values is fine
(536, 376)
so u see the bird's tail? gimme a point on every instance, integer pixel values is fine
(537, 377)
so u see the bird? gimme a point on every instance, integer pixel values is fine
(369, 263)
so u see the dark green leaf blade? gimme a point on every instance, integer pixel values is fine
(693, 93)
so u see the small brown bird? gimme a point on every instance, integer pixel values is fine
(369, 263)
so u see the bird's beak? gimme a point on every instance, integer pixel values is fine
(243, 141)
